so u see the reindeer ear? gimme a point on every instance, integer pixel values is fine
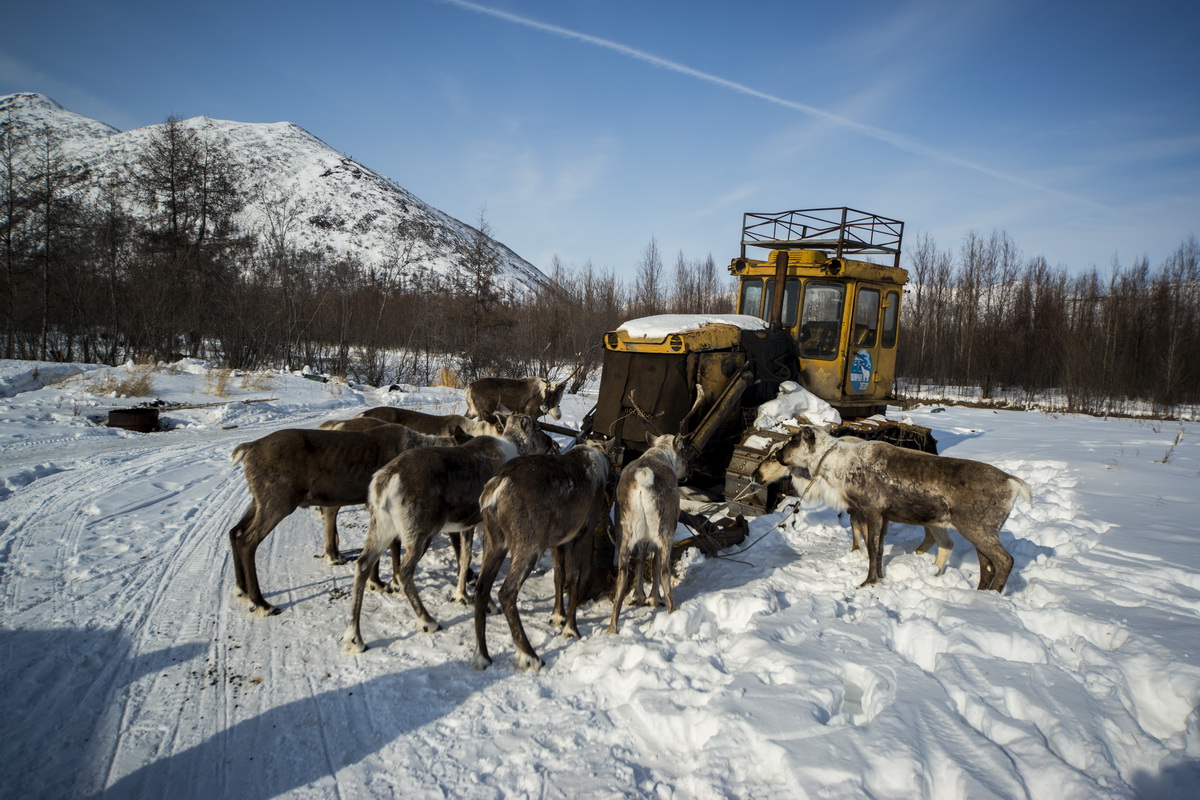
(460, 435)
(808, 436)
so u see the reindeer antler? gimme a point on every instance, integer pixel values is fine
(695, 406)
(647, 417)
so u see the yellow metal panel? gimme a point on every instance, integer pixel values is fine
(714, 336)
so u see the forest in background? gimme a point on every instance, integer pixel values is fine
(152, 267)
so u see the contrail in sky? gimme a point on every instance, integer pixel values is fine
(894, 139)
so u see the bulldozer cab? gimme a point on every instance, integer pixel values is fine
(843, 313)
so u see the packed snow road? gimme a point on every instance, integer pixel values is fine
(132, 671)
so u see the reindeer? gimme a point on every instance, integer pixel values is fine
(432, 424)
(535, 397)
(297, 468)
(647, 514)
(878, 482)
(532, 504)
(425, 491)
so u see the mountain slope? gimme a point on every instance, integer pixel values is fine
(328, 201)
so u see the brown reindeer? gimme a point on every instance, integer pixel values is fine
(299, 468)
(425, 491)
(535, 397)
(533, 504)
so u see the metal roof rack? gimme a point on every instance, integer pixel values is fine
(841, 231)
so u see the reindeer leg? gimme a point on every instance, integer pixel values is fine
(639, 575)
(522, 564)
(461, 542)
(264, 522)
(994, 561)
(579, 552)
(663, 562)
(332, 555)
(874, 529)
(375, 581)
(858, 533)
(236, 534)
(415, 547)
(493, 558)
(557, 616)
(935, 534)
(654, 559)
(623, 560)
(368, 561)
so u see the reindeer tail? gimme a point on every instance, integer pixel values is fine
(1022, 489)
(644, 477)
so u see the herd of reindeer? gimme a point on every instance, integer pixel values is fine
(420, 474)
(493, 469)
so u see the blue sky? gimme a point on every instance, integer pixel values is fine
(582, 128)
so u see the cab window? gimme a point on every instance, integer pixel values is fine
(791, 297)
(866, 319)
(757, 303)
(891, 313)
(821, 319)
(752, 296)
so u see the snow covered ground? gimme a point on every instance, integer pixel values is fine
(130, 670)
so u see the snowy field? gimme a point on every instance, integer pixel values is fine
(130, 670)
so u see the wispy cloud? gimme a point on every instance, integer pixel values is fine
(899, 141)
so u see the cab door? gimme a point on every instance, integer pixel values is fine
(871, 345)
(862, 354)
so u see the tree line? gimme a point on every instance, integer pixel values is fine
(149, 264)
(1018, 329)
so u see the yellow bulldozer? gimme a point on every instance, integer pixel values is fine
(814, 312)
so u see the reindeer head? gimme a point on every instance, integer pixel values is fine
(551, 397)
(522, 432)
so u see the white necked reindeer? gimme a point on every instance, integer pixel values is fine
(772, 470)
(432, 424)
(877, 482)
(299, 468)
(533, 504)
(425, 491)
(535, 397)
(647, 514)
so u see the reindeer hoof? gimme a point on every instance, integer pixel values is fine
(612, 629)
(429, 626)
(480, 662)
(529, 662)
(267, 610)
(558, 620)
(353, 646)
(334, 559)
(571, 632)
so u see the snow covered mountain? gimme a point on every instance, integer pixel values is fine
(333, 203)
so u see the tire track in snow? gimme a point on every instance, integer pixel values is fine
(185, 588)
